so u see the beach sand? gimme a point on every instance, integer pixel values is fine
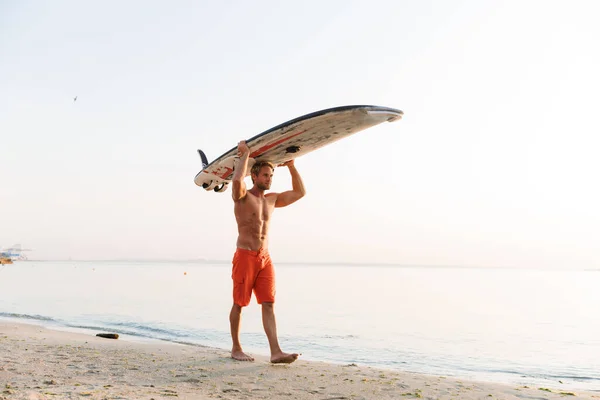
(38, 363)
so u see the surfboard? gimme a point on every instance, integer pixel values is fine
(293, 139)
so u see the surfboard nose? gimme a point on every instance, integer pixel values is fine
(393, 116)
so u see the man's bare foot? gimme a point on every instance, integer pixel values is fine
(284, 358)
(240, 356)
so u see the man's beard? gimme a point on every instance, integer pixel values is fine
(263, 186)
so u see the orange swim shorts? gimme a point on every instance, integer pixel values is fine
(253, 270)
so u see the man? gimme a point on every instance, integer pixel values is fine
(252, 266)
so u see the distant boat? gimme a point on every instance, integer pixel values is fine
(13, 253)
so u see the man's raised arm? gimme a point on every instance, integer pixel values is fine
(239, 186)
(297, 192)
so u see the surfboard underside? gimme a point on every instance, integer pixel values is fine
(295, 138)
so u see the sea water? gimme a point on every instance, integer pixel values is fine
(518, 326)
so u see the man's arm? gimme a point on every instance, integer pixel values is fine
(297, 192)
(239, 186)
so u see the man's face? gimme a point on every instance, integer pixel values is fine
(264, 177)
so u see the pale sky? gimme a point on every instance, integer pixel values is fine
(495, 162)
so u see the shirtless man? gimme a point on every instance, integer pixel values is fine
(252, 266)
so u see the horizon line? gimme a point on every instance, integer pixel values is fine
(314, 263)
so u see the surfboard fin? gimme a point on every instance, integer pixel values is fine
(203, 158)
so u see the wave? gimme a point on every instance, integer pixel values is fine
(147, 331)
(123, 328)
(137, 330)
(337, 337)
(529, 373)
(150, 329)
(26, 316)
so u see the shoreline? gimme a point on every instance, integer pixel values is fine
(39, 363)
(559, 384)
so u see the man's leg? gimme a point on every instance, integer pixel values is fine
(242, 291)
(268, 317)
(235, 317)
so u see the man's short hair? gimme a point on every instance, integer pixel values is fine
(258, 165)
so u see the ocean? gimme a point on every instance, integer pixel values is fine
(516, 326)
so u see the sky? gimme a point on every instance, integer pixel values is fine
(494, 164)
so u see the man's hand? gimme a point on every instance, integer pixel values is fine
(287, 164)
(242, 148)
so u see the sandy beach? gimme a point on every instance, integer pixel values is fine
(38, 363)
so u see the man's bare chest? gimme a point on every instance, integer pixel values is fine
(259, 209)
